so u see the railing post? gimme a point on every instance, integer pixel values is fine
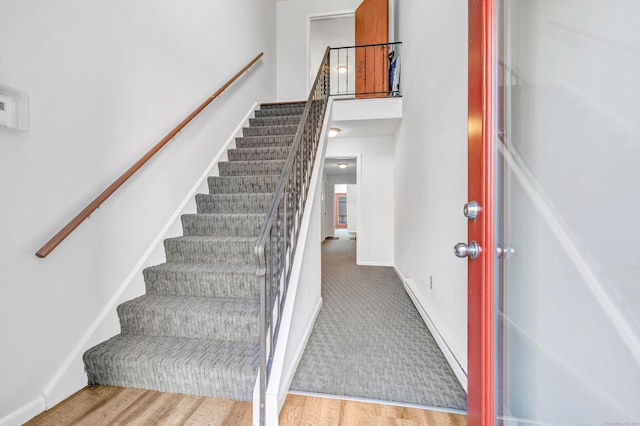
(276, 245)
(371, 70)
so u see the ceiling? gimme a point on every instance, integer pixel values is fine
(366, 128)
(331, 166)
(355, 129)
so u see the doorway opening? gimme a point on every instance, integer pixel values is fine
(341, 198)
(333, 29)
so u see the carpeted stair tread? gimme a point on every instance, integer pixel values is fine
(191, 317)
(264, 141)
(242, 184)
(207, 224)
(234, 203)
(196, 328)
(202, 280)
(251, 168)
(261, 153)
(197, 249)
(288, 129)
(278, 120)
(192, 366)
(273, 112)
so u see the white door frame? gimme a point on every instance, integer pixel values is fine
(358, 157)
(317, 17)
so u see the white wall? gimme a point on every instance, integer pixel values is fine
(376, 175)
(293, 19)
(352, 217)
(340, 188)
(106, 81)
(430, 162)
(324, 203)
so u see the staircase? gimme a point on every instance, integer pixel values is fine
(196, 330)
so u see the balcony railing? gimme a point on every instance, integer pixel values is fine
(371, 70)
(276, 246)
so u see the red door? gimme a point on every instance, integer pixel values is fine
(552, 166)
(481, 394)
(372, 27)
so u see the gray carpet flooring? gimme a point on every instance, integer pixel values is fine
(369, 340)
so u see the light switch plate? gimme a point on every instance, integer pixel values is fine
(14, 109)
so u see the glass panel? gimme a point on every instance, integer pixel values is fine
(342, 210)
(569, 152)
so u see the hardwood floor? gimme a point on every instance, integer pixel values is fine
(307, 410)
(106, 405)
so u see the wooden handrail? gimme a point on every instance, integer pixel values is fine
(64, 232)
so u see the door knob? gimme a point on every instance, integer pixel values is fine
(471, 210)
(472, 250)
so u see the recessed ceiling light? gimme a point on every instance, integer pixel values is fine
(342, 69)
(333, 132)
(343, 165)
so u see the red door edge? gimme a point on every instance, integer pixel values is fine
(481, 332)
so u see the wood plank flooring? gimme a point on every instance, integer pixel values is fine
(107, 405)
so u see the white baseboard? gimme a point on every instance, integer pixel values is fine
(458, 370)
(50, 395)
(374, 263)
(24, 413)
(288, 375)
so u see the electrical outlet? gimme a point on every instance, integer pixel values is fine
(430, 282)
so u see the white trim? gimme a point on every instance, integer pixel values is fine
(458, 369)
(315, 17)
(374, 263)
(358, 157)
(288, 375)
(379, 402)
(109, 306)
(24, 413)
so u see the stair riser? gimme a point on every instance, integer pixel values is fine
(251, 168)
(233, 203)
(202, 284)
(218, 225)
(279, 112)
(217, 373)
(235, 253)
(194, 323)
(243, 185)
(264, 141)
(254, 154)
(270, 130)
(207, 383)
(274, 121)
(279, 106)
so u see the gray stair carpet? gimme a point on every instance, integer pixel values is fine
(369, 340)
(196, 328)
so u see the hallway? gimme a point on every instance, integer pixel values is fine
(369, 340)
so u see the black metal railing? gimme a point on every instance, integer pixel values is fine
(276, 245)
(371, 70)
